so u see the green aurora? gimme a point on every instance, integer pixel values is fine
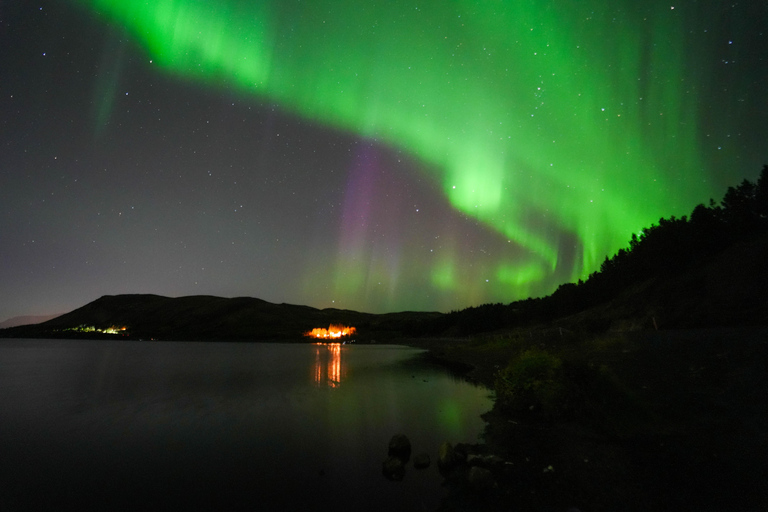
(551, 123)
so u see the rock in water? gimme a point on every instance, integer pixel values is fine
(400, 447)
(460, 452)
(445, 458)
(393, 468)
(421, 461)
(480, 478)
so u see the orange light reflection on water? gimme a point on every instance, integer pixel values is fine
(328, 367)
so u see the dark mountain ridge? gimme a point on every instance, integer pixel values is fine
(208, 318)
(704, 271)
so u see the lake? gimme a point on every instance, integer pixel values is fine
(126, 425)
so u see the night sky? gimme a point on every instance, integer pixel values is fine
(377, 156)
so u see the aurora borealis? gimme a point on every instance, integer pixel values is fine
(377, 156)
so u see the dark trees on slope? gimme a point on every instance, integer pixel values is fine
(659, 251)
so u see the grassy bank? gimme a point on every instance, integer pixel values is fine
(651, 420)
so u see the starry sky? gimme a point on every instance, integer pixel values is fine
(378, 156)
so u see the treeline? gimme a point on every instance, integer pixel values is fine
(661, 250)
(673, 245)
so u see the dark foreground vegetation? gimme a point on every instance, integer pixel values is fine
(642, 388)
(631, 421)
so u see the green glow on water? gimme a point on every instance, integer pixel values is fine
(542, 120)
(450, 414)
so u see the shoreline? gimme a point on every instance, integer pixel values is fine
(676, 423)
(460, 356)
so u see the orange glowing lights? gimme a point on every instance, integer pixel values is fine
(329, 370)
(331, 333)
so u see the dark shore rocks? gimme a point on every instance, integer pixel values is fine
(393, 469)
(399, 451)
(492, 461)
(480, 479)
(445, 461)
(400, 447)
(450, 456)
(422, 461)
(460, 453)
(463, 466)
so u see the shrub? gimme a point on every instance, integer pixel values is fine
(568, 386)
(531, 381)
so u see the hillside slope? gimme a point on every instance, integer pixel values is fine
(725, 290)
(208, 318)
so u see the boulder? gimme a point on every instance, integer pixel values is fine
(480, 478)
(393, 468)
(421, 461)
(460, 453)
(400, 447)
(487, 461)
(445, 459)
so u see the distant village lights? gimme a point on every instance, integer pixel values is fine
(90, 328)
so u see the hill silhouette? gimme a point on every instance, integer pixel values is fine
(706, 270)
(209, 318)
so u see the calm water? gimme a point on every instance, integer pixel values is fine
(138, 425)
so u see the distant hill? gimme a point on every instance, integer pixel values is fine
(26, 320)
(708, 270)
(726, 288)
(208, 318)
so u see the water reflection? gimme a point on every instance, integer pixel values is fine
(173, 423)
(329, 369)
